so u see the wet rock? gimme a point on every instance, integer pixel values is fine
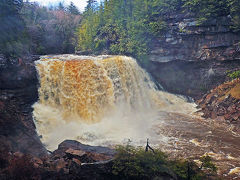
(191, 78)
(79, 153)
(18, 91)
(73, 160)
(76, 161)
(60, 164)
(75, 145)
(222, 103)
(71, 153)
(16, 133)
(17, 76)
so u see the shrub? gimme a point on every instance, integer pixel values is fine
(132, 163)
(234, 75)
(135, 163)
(208, 164)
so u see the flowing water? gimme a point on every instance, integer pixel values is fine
(109, 100)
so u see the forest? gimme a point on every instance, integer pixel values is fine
(28, 28)
(112, 27)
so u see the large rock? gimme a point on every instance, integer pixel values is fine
(17, 130)
(223, 103)
(18, 91)
(74, 149)
(17, 73)
(73, 160)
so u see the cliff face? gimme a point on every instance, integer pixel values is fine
(191, 59)
(18, 91)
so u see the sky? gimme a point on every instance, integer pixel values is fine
(81, 4)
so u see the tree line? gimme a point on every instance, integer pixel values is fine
(114, 26)
(130, 26)
(29, 28)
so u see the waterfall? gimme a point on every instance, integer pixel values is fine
(103, 99)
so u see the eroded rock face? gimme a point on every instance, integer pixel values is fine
(223, 103)
(17, 73)
(18, 91)
(190, 59)
(186, 40)
(192, 78)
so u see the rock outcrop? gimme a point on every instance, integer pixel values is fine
(18, 91)
(72, 160)
(191, 59)
(223, 103)
(192, 78)
(186, 40)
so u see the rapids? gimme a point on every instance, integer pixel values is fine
(109, 100)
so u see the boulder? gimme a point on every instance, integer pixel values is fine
(86, 148)
(70, 149)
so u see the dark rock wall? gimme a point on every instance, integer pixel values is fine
(190, 59)
(192, 78)
(18, 91)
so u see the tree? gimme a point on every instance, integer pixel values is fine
(72, 9)
(234, 6)
(91, 5)
(205, 9)
(13, 36)
(61, 6)
(50, 31)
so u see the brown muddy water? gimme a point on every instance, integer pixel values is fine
(192, 136)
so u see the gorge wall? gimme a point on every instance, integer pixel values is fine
(191, 59)
(18, 91)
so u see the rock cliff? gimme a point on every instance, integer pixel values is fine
(18, 91)
(191, 59)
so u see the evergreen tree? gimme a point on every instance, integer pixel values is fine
(91, 4)
(129, 26)
(234, 6)
(72, 9)
(206, 9)
(61, 6)
(12, 28)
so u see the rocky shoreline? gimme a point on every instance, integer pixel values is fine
(223, 104)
